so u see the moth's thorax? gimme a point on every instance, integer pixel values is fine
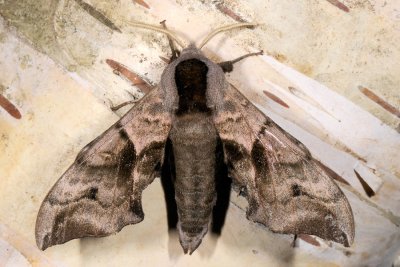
(191, 84)
(194, 79)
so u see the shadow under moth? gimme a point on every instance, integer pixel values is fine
(198, 115)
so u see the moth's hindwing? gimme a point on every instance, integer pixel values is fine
(286, 189)
(101, 192)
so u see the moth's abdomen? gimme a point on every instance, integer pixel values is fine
(194, 142)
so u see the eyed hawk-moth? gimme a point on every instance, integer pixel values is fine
(199, 115)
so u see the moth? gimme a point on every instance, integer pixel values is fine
(191, 117)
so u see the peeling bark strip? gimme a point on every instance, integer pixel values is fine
(308, 99)
(135, 79)
(332, 173)
(381, 102)
(97, 15)
(142, 3)
(227, 11)
(339, 5)
(309, 239)
(9, 107)
(276, 99)
(368, 190)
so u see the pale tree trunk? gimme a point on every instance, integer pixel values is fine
(329, 76)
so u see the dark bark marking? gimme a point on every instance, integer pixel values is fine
(227, 11)
(136, 80)
(368, 190)
(380, 101)
(339, 5)
(9, 107)
(97, 15)
(142, 3)
(276, 99)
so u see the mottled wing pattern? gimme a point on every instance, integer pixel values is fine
(101, 192)
(286, 189)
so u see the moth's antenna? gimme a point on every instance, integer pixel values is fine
(225, 28)
(158, 29)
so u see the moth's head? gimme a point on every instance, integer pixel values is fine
(192, 81)
(191, 49)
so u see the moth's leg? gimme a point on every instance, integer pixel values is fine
(227, 66)
(175, 52)
(294, 241)
(117, 107)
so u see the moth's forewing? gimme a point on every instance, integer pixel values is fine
(286, 189)
(101, 192)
